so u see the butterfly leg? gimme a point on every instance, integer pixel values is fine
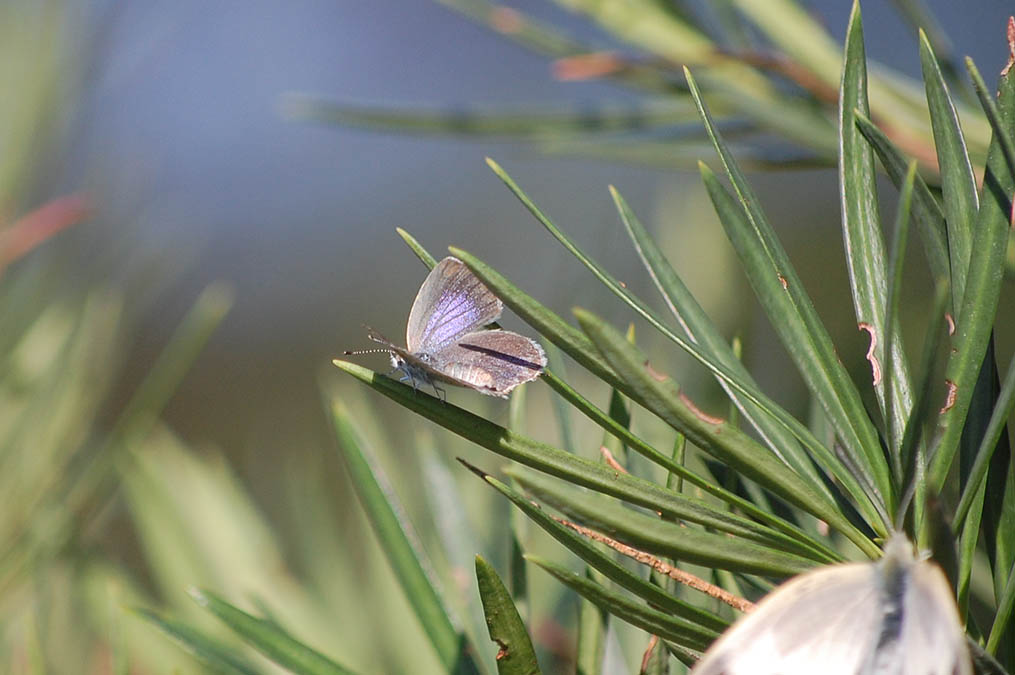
(407, 376)
(441, 393)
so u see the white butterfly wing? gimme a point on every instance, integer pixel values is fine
(932, 639)
(451, 303)
(893, 617)
(830, 617)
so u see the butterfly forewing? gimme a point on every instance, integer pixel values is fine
(492, 361)
(802, 623)
(451, 303)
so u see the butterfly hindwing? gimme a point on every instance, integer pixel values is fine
(451, 303)
(491, 361)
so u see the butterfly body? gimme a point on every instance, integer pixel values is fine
(446, 340)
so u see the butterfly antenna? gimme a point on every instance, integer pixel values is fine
(376, 337)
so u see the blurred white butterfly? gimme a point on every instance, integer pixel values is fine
(894, 616)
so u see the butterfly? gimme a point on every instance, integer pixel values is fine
(896, 615)
(445, 340)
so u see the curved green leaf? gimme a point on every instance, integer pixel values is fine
(593, 632)
(926, 210)
(895, 266)
(958, 182)
(1004, 614)
(912, 453)
(1001, 130)
(865, 251)
(978, 473)
(417, 248)
(516, 655)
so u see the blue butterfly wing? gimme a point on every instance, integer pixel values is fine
(451, 303)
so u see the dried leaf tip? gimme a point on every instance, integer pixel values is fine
(611, 460)
(647, 656)
(1011, 46)
(698, 412)
(953, 390)
(655, 374)
(875, 364)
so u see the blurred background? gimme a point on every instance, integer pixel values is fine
(162, 139)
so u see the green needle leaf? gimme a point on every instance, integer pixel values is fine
(209, 650)
(398, 542)
(558, 463)
(996, 117)
(727, 444)
(417, 248)
(603, 563)
(926, 211)
(1005, 611)
(681, 472)
(516, 655)
(958, 183)
(702, 331)
(975, 320)
(865, 249)
(528, 123)
(266, 637)
(862, 493)
(655, 535)
(650, 620)
(793, 315)
(895, 268)
(978, 473)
